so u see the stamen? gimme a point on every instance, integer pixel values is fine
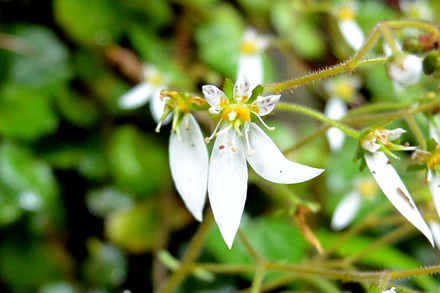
(223, 131)
(187, 123)
(229, 143)
(251, 152)
(208, 139)
(264, 124)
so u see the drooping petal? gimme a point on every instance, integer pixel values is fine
(433, 133)
(346, 210)
(136, 97)
(335, 109)
(242, 89)
(214, 96)
(434, 187)
(352, 33)
(270, 163)
(189, 165)
(266, 104)
(435, 229)
(157, 106)
(227, 183)
(396, 192)
(251, 66)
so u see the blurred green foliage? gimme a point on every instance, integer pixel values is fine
(86, 196)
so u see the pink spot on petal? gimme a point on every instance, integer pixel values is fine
(268, 100)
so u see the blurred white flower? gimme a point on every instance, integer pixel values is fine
(250, 62)
(239, 140)
(350, 29)
(405, 69)
(392, 290)
(340, 89)
(387, 177)
(350, 204)
(417, 9)
(148, 90)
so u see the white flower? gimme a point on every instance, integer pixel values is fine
(418, 9)
(346, 210)
(340, 90)
(406, 69)
(350, 29)
(250, 63)
(435, 228)
(388, 179)
(392, 290)
(147, 90)
(239, 141)
(189, 164)
(350, 204)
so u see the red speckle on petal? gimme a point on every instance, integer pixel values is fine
(388, 162)
(265, 109)
(270, 105)
(268, 100)
(221, 147)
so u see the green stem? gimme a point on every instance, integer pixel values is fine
(190, 256)
(413, 273)
(319, 116)
(412, 123)
(388, 37)
(258, 278)
(276, 88)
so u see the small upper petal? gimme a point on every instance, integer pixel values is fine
(266, 104)
(136, 97)
(346, 210)
(434, 187)
(352, 33)
(242, 89)
(214, 96)
(227, 184)
(270, 163)
(189, 164)
(396, 192)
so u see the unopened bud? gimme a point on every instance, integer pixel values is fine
(412, 45)
(431, 63)
(405, 69)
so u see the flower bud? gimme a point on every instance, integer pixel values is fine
(431, 63)
(412, 45)
(405, 69)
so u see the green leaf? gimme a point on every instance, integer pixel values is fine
(96, 22)
(228, 89)
(219, 40)
(25, 114)
(431, 144)
(258, 90)
(75, 109)
(139, 164)
(135, 230)
(45, 62)
(373, 289)
(415, 167)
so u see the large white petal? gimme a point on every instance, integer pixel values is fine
(157, 107)
(336, 108)
(136, 97)
(346, 210)
(434, 186)
(352, 33)
(189, 165)
(251, 66)
(409, 72)
(227, 184)
(270, 163)
(396, 192)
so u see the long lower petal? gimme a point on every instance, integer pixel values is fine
(270, 163)
(251, 66)
(396, 192)
(227, 184)
(189, 165)
(346, 210)
(434, 187)
(136, 97)
(352, 33)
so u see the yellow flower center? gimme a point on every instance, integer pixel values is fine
(344, 90)
(156, 80)
(240, 109)
(347, 13)
(248, 47)
(434, 160)
(367, 188)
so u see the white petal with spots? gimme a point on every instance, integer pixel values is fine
(213, 96)
(266, 104)
(227, 184)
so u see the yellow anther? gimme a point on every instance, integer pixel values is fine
(248, 48)
(347, 13)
